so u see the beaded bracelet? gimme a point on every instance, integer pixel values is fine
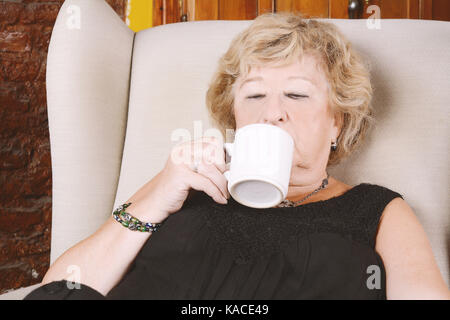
(132, 223)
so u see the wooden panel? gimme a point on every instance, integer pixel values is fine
(170, 11)
(339, 9)
(426, 9)
(310, 8)
(413, 9)
(265, 6)
(203, 10)
(397, 9)
(158, 12)
(238, 9)
(182, 10)
(389, 9)
(441, 10)
(190, 10)
(283, 5)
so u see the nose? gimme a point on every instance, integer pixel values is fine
(274, 112)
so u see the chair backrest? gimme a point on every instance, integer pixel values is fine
(88, 74)
(91, 118)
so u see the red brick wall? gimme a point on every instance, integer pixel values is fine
(25, 163)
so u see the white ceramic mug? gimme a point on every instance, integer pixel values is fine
(260, 166)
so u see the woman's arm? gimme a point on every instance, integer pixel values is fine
(104, 257)
(411, 270)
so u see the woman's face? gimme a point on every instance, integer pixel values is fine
(294, 98)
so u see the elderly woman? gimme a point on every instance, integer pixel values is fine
(331, 240)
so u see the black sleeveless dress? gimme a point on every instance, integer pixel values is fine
(319, 250)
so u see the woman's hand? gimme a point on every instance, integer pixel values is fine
(167, 191)
(113, 247)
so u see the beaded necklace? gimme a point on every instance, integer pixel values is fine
(289, 203)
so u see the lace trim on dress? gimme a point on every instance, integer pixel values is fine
(250, 233)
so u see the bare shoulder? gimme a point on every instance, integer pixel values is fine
(411, 269)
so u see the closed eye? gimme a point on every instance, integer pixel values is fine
(290, 95)
(296, 96)
(256, 96)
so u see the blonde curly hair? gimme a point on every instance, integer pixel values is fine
(279, 39)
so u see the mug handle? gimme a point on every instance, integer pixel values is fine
(228, 146)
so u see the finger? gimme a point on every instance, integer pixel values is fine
(208, 158)
(208, 150)
(201, 183)
(190, 153)
(212, 172)
(214, 153)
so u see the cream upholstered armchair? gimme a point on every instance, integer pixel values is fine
(115, 97)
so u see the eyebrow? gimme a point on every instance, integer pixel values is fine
(289, 78)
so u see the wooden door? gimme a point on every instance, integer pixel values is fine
(171, 11)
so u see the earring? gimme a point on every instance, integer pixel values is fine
(333, 146)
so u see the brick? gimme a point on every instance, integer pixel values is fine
(41, 77)
(39, 181)
(14, 276)
(24, 272)
(42, 13)
(35, 91)
(42, 155)
(18, 27)
(32, 183)
(41, 40)
(40, 204)
(36, 120)
(25, 162)
(13, 221)
(119, 7)
(14, 41)
(12, 125)
(11, 101)
(10, 12)
(47, 217)
(33, 12)
(13, 185)
(43, 203)
(60, 2)
(12, 159)
(19, 68)
(15, 248)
